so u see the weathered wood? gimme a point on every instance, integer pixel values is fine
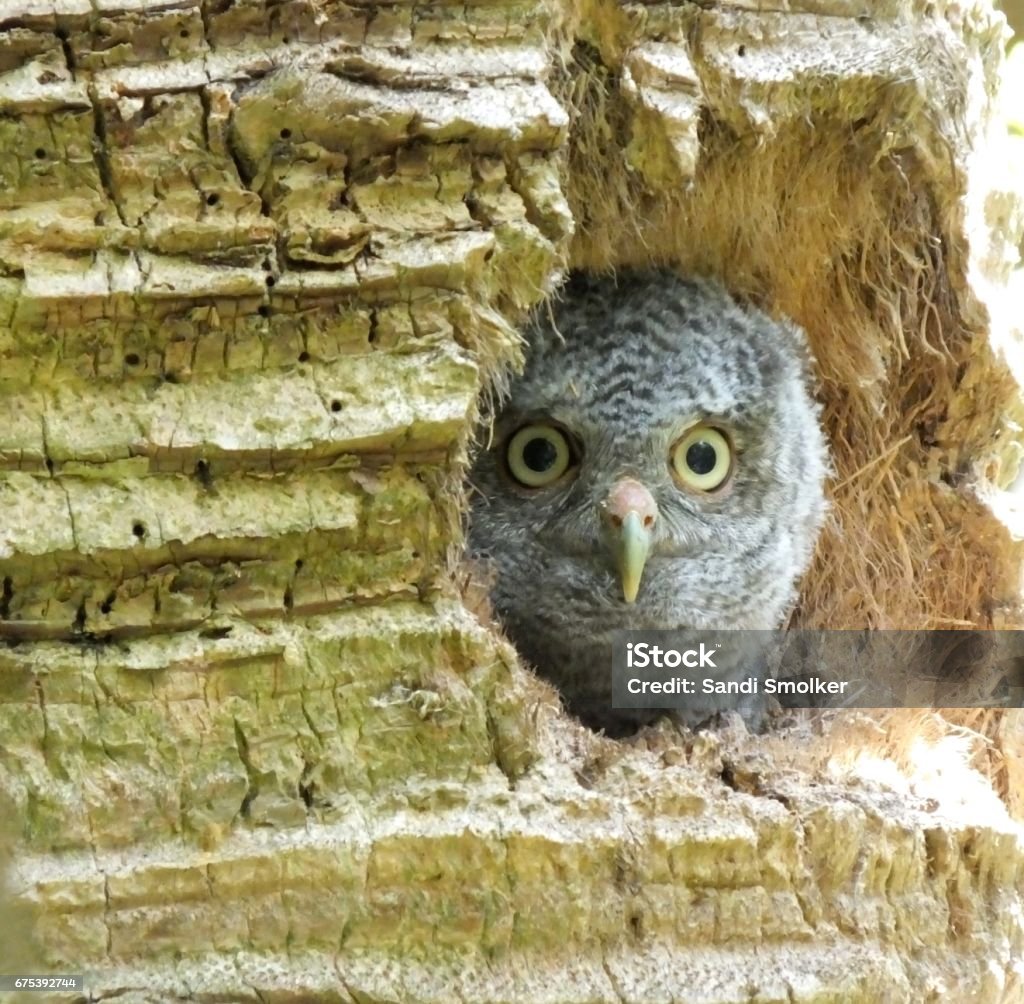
(259, 262)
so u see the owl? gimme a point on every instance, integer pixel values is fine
(659, 464)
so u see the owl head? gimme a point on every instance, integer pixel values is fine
(658, 464)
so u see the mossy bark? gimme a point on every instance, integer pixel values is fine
(259, 262)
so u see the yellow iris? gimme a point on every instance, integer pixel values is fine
(702, 459)
(538, 455)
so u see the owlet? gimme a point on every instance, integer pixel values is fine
(659, 464)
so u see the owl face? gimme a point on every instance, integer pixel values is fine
(659, 464)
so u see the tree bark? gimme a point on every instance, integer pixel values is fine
(259, 263)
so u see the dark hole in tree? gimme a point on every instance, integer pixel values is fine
(335, 406)
(216, 633)
(741, 51)
(108, 604)
(263, 310)
(212, 199)
(286, 133)
(132, 359)
(303, 357)
(139, 530)
(203, 474)
(271, 280)
(298, 564)
(40, 153)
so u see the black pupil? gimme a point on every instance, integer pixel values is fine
(701, 458)
(540, 455)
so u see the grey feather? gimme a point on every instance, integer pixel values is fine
(625, 366)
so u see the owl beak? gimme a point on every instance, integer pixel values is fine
(630, 513)
(632, 548)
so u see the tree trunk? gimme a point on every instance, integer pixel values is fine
(259, 261)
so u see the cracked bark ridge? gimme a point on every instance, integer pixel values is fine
(258, 263)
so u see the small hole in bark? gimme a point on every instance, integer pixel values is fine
(263, 311)
(183, 33)
(40, 153)
(203, 474)
(741, 51)
(132, 359)
(108, 604)
(212, 199)
(5, 599)
(215, 633)
(80, 617)
(303, 357)
(298, 564)
(270, 281)
(139, 530)
(286, 133)
(266, 265)
(289, 600)
(335, 406)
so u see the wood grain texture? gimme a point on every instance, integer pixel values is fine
(258, 263)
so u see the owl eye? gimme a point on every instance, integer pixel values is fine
(702, 459)
(538, 455)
